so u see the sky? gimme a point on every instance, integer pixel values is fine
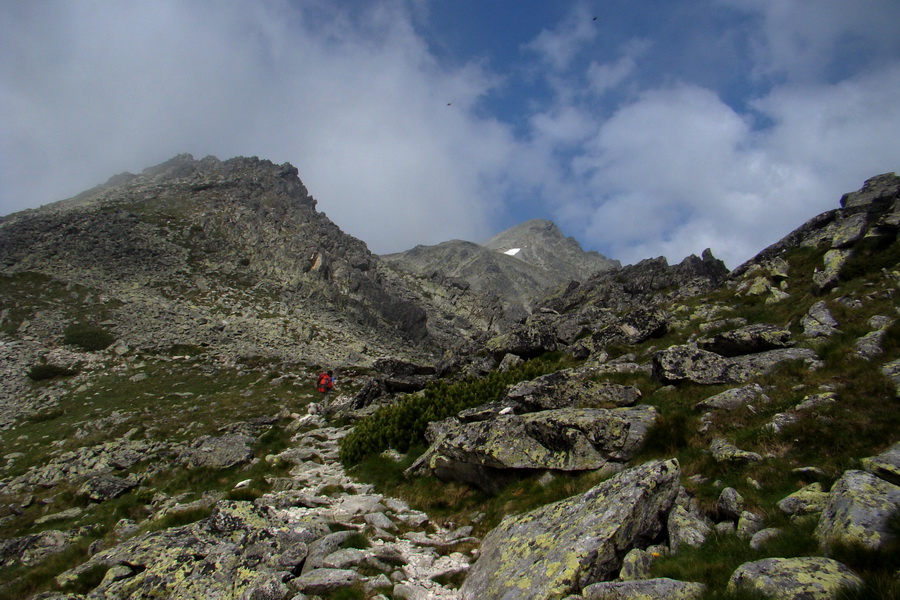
(642, 128)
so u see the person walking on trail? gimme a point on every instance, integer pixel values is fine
(324, 385)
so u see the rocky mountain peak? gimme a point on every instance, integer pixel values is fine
(540, 243)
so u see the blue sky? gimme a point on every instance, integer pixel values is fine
(641, 127)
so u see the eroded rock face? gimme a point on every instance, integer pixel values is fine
(562, 548)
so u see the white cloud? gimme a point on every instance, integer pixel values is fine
(355, 101)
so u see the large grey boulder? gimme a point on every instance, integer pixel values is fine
(219, 452)
(751, 365)
(806, 578)
(734, 398)
(818, 321)
(748, 340)
(568, 388)
(562, 548)
(886, 465)
(566, 439)
(689, 363)
(858, 511)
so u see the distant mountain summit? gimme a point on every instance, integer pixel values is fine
(516, 266)
(541, 244)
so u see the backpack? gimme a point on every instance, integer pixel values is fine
(324, 383)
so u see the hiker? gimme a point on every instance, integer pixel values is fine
(324, 385)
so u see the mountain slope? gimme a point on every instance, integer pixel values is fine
(229, 255)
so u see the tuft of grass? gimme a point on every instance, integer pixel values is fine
(356, 540)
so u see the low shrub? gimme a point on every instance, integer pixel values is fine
(43, 372)
(88, 336)
(402, 425)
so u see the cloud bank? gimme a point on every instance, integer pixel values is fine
(637, 139)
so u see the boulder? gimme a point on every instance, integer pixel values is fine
(810, 578)
(748, 340)
(562, 548)
(566, 439)
(565, 389)
(829, 276)
(811, 499)
(105, 487)
(686, 529)
(689, 363)
(670, 589)
(818, 322)
(637, 563)
(634, 327)
(734, 398)
(858, 511)
(891, 370)
(730, 504)
(722, 451)
(886, 465)
(219, 452)
(751, 365)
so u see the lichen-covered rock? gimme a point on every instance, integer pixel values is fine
(637, 563)
(730, 504)
(749, 524)
(811, 499)
(648, 589)
(686, 529)
(722, 451)
(219, 452)
(886, 465)
(562, 548)
(760, 363)
(689, 363)
(106, 487)
(734, 398)
(748, 340)
(809, 578)
(567, 389)
(891, 370)
(566, 439)
(858, 511)
(818, 321)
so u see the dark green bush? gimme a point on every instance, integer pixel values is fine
(45, 371)
(88, 336)
(402, 425)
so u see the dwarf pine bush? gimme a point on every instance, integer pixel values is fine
(402, 425)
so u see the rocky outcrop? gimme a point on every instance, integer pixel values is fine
(487, 452)
(565, 547)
